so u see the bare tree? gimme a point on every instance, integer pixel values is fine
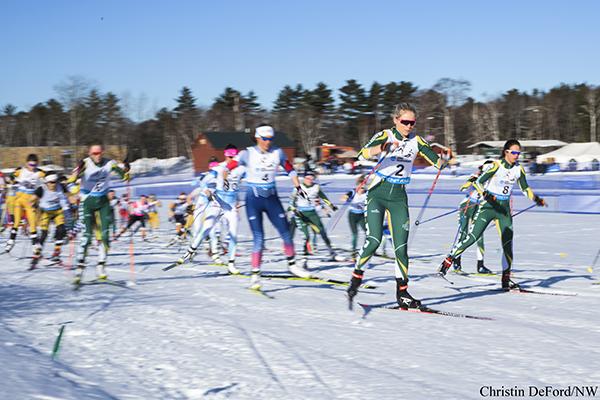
(592, 109)
(455, 93)
(72, 93)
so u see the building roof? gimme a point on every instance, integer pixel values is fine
(242, 139)
(498, 144)
(580, 152)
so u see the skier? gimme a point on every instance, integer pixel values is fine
(54, 207)
(262, 162)
(466, 212)
(305, 214)
(356, 212)
(153, 220)
(398, 147)
(495, 205)
(28, 178)
(94, 172)
(178, 213)
(10, 194)
(138, 211)
(217, 200)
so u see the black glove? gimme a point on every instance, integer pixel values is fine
(301, 192)
(488, 196)
(126, 166)
(539, 201)
(334, 207)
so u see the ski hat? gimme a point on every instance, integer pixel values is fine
(213, 164)
(310, 173)
(264, 131)
(51, 178)
(230, 152)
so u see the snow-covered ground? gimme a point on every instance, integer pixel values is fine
(193, 332)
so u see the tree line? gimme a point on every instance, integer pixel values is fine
(349, 115)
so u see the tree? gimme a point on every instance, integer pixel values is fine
(353, 109)
(592, 109)
(185, 116)
(455, 93)
(72, 93)
(315, 111)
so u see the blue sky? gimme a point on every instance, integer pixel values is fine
(154, 48)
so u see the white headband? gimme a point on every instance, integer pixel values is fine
(264, 131)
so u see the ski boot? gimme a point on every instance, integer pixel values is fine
(481, 269)
(446, 264)
(35, 259)
(405, 300)
(355, 281)
(78, 273)
(101, 271)
(507, 283)
(334, 257)
(457, 265)
(255, 280)
(296, 270)
(232, 269)
(217, 259)
(55, 257)
(188, 256)
(10, 243)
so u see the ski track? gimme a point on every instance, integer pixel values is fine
(194, 332)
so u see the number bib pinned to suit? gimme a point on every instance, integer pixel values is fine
(501, 184)
(397, 165)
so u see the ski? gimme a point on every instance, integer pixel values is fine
(261, 293)
(317, 279)
(425, 310)
(172, 265)
(122, 284)
(533, 291)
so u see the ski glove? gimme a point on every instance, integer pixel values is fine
(539, 201)
(488, 196)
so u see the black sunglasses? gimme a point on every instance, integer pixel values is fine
(408, 122)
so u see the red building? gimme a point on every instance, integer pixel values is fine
(211, 144)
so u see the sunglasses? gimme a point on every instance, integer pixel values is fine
(408, 122)
(515, 153)
(32, 164)
(95, 153)
(268, 139)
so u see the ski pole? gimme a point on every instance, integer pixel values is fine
(425, 204)
(342, 209)
(523, 210)
(436, 217)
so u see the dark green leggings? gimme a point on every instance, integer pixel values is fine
(487, 212)
(466, 214)
(356, 221)
(310, 219)
(91, 206)
(390, 197)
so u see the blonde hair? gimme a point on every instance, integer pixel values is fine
(403, 107)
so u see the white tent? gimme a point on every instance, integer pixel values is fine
(584, 154)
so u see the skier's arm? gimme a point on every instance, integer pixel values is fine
(122, 172)
(479, 184)
(373, 146)
(527, 190)
(77, 172)
(468, 183)
(326, 200)
(431, 156)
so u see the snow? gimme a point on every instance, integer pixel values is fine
(193, 332)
